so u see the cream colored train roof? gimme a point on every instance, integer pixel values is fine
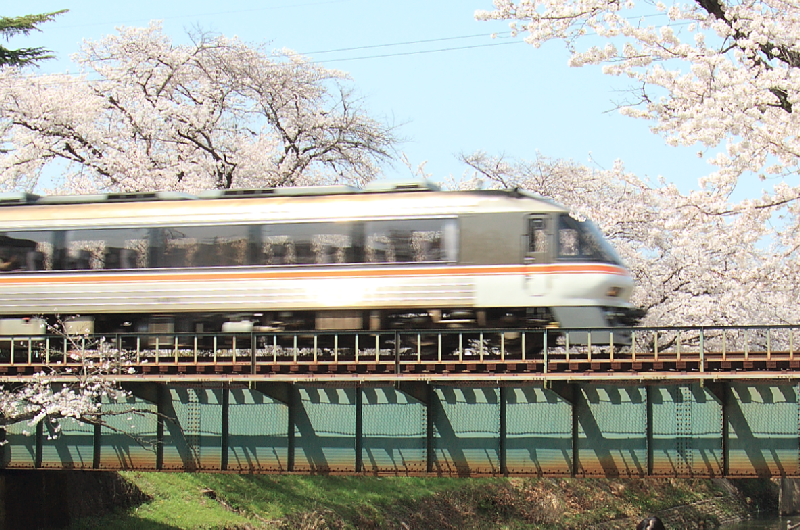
(323, 203)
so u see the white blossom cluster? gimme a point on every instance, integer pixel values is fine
(75, 387)
(715, 72)
(724, 75)
(147, 114)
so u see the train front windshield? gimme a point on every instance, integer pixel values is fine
(582, 241)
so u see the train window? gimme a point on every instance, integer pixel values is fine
(203, 246)
(410, 240)
(568, 243)
(26, 251)
(582, 241)
(105, 248)
(537, 238)
(308, 244)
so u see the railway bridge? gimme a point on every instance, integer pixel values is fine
(672, 402)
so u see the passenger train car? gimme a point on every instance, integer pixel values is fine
(328, 258)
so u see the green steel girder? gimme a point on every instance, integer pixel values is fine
(565, 429)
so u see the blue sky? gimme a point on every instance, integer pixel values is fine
(459, 91)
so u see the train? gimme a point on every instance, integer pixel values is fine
(391, 255)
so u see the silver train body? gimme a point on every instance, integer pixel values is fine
(397, 256)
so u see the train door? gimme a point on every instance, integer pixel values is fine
(538, 250)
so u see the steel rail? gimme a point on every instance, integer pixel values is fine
(349, 378)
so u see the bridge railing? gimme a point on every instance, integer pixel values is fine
(545, 348)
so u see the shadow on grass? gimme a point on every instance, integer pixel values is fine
(119, 521)
(279, 496)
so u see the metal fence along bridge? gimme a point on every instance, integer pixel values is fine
(678, 402)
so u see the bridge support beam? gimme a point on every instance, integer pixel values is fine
(425, 393)
(429, 429)
(97, 446)
(722, 391)
(39, 435)
(569, 393)
(503, 431)
(359, 429)
(288, 394)
(225, 434)
(649, 429)
(162, 395)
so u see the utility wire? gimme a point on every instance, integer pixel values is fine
(419, 52)
(504, 35)
(423, 41)
(387, 45)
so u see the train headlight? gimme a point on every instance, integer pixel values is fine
(614, 292)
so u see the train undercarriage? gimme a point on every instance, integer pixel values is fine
(329, 320)
(461, 327)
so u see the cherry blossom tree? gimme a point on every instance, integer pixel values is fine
(149, 114)
(718, 73)
(721, 74)
(79, 385)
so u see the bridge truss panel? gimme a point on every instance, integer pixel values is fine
(257, 433)
(763, 430)
(466, 424)
(538, 432)
(193, 437)
(325, 429)
(393, 433)
(130, 437)
(612, 431)
(20, 450)
(73, 448)
(686, 432)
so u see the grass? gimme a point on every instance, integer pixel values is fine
(177, 501)
(195, 501)
(198, 501)
(275, 497)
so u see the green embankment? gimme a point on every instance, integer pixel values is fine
(220, 501)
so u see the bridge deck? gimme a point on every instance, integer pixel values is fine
(637, 353)
(679, 402)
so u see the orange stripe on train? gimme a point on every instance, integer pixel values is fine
(296, 274)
